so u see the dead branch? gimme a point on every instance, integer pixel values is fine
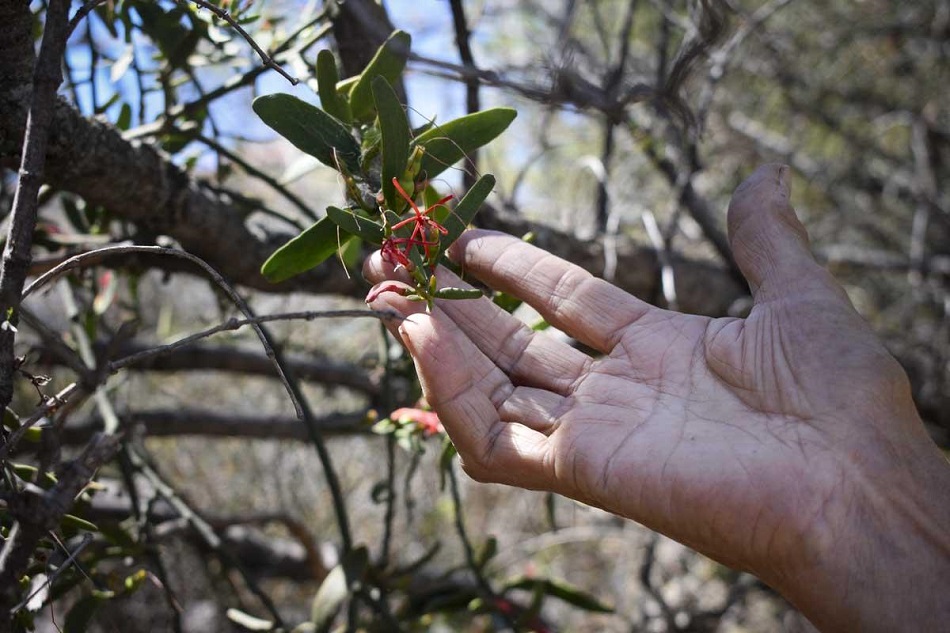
(213, 423)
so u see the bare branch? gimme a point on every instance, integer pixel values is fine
(214, 423)
(36, 512)
(226, 16)
(472, 102)
(225, 358)
(19, 240)
(84, 10)
(48, 407)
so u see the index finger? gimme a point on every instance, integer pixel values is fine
(591, 310)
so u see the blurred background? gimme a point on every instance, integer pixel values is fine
(636, 120)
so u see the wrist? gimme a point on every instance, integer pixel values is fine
(879, 559)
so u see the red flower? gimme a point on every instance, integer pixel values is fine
(424, 225)
(428, 421)
(386, 286)
(391, 253)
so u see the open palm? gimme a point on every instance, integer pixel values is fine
(730, 435)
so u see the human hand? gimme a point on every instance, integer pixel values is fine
(767, 443)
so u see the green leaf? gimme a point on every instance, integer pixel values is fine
(332, 101)
(311, 248)
(336, 588)
(350, 253)
(394, 127)
(561, 590)
(458, 293)
(175, 31)
(506, 302)
(73, 521)
(345, 86)
(28, 472)
(445, 460)
(388, 63)
(540, 325)
(10, 419)
(356, 223)
(450, 142)
(124, 121)
(309, 128)
(458, 220)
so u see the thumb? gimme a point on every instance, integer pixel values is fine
(770, 244)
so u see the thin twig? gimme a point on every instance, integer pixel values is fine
(86, 540)
(300, 403)
(235, 83)
(96, 256)
(235, 323)
(139, 510)
(251, 170)
(36, 512)
(316, 438)
(44, 410)
(482, 582)
(226, 16)
(472, 105)
(202, 527)
(385, 401)
(667, 280)
(83, 11)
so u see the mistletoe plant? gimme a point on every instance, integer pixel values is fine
(387, 167)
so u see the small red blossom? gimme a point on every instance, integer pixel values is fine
(391, 253)
(423, 231)
(386, 286)
(428, 421)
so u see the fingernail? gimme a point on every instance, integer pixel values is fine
(777, 174)
(785, 179)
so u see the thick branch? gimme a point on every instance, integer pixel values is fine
(138, 183)
(231, 359)
(188, 422)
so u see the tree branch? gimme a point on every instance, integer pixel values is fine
(462, 42)
(224, 15)
(36, 512)
(17, 252)
(214, 423)
(205, 357)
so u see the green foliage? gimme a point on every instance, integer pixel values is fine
(562, 591)
(334, 103)
(357, 223)
(448, 143)
(378, 155)
(463, 214)
(305, 251)
(394, 133)
(388, 63)
(310, 129)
